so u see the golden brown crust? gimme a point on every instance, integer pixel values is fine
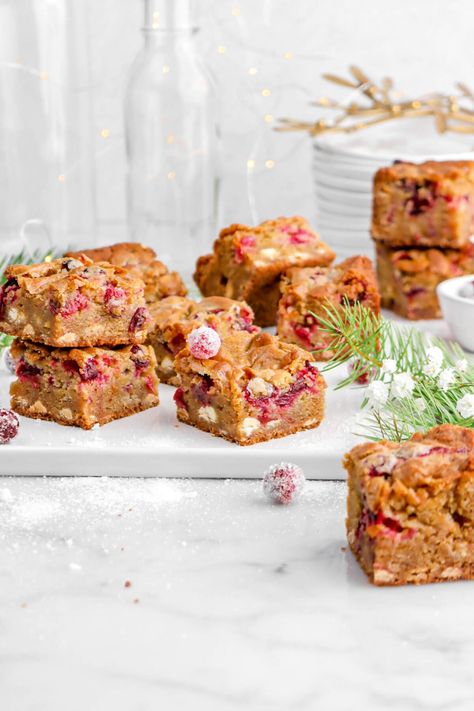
(83, 387)
(140, 261)
(73, 302)
(306, 292)
(247, 262)
(424, 205)
(410, 515)
(408, 277)
(255, 389)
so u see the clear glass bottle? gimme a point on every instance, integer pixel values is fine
(47, 179)
(171, 139)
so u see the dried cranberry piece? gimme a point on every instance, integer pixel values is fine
(139, 360)
(178, 397)
(113, 296)
(391, 523)
(138, 319)
(89, 370)
(415, 291)
(201, 390)
(8, 293)
(246, 242)
(76, 303)
(27, 372)
(70, 366)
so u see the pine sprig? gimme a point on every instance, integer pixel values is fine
(422, 381)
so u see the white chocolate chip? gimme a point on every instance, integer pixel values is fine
(249, 425)
(65, 413)
(12, 314)
(28, 331)
(259, 387)
(37, 407)
(68, 337)
(269, 252)
(207, 413)
(166, 363)
(273, 423)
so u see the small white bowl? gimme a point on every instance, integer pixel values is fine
(458, 311)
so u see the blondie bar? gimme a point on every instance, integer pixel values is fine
(247, 262)
(307, 291)
(410, 509)
(256, 388)
(424, 205)
(142, 263)
(408, 277)
(73, 302)
(83, 386)
(175, 317)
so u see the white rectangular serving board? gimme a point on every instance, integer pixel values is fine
(154, 443)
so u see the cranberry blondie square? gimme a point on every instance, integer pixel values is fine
(410, 509)
(142, 263)
(424, 205)
(175, 317)
(247, 262)
(73, 302)
(307, 291)
(408, 277)
(256, 388)
(83, 386)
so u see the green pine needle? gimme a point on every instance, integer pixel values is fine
(367, 340)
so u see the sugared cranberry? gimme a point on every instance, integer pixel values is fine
(89, 370)
(138, 319)
(283, 483)
(204, 342)
(9, 426)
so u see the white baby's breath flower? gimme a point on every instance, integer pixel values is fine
(446, 378)
(419, 404)
(389, 366)
(434, 361)
(465, 406)
(377, 392)
(402, 385)
(461, 365)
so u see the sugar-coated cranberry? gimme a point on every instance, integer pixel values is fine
(9, 361)
(138, 319)
(9, 426)
(283, 483)
(204, 342)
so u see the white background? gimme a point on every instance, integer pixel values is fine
(424, 44)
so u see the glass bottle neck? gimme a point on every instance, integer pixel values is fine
(168, 15)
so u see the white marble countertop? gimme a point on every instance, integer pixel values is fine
(232, 603)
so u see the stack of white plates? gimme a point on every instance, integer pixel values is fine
(345, 164)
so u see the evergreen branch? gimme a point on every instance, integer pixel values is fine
(416, 381)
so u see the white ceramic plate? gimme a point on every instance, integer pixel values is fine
(153, 443)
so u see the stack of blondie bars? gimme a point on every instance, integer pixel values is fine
(80, 329)
(422, 224)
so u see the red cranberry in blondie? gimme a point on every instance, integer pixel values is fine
(175, 317)
(73, 302)
(247, 262)
(256, 388)
(141, 262)
(307, 291)
(424, 205)
(410, 509)
(408, 277)
(83, 386)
